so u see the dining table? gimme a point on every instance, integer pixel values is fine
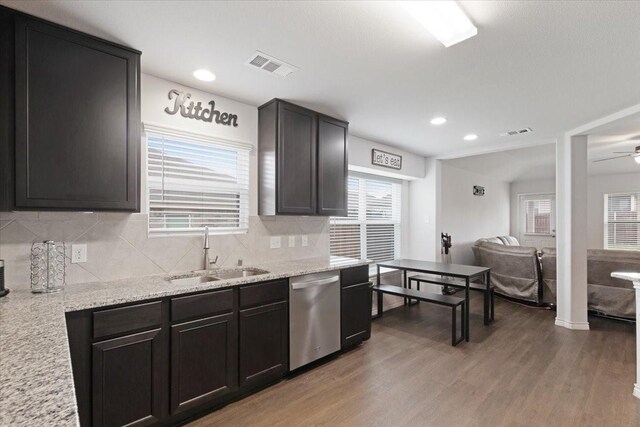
(465, 273)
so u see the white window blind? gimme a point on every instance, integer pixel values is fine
(622, 221)
(372, 228)
(538, 216)
(194, 182)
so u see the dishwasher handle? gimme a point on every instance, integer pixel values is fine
(312, 283)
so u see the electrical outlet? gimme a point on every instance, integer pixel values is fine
(305, 240)
(276, 242)
(78, 254)
(292, 241)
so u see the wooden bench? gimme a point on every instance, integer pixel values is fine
(489, 297)
(446, 300)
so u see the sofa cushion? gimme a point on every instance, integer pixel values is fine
(488, 239)
(509, 240)
(515, 270)
(602, 262)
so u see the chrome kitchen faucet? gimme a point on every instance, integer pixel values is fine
(207, 260)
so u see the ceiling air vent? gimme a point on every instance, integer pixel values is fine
(516, 132)
(270, 64)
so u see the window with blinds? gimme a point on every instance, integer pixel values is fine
(538, 216)
(622, 221)
(372, 228)
(196, 182)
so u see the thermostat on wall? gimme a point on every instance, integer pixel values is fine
(478, 190)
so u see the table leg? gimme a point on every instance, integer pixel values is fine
(466, 309)
(490, 297)
(404, 273)
(380, 310)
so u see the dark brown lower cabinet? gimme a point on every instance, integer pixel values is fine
(264, 344)
(127, 383)
(355, 314)
(204, 356)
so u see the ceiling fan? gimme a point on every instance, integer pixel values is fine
(634, 154)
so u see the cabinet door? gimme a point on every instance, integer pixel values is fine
(77, 120)
(356, 314)
(203, 361)
(264, 343)
(127, 380)
(296, 165)
(332, 167)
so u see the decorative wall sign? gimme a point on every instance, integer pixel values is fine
(193, 110)
(478, 190)
(388, 160)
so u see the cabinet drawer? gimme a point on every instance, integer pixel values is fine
(354, 276)
(263, 293)
(201, 305)
(126, 319)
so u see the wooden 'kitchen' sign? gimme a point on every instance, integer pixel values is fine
(193, 110)
(388, 160)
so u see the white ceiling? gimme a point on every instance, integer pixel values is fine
(547, 65)
(539, 162)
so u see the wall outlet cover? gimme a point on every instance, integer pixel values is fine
(292, 241)
(78, 254)
(305, 240)
(276, 242)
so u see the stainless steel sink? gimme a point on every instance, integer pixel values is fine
(192, 280)
(237, 273)
(203, 276)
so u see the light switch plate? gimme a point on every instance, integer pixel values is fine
(305, 240)
(276, 242)
(292, 241)
(78, 254)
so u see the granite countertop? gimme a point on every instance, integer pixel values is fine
(36, 381)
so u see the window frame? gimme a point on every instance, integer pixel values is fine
(523, 198)
(606, 221)
(362, 221)
(243, 149)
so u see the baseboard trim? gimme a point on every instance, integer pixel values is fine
(578, 326)
(636, 390)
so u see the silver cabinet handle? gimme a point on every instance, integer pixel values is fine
(311, 283)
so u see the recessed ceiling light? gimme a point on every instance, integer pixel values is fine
(438, 121)
(471, 137)
(204, 75)
(444, 19)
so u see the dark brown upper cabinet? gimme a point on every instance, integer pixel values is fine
(302, 161)
(77, 120)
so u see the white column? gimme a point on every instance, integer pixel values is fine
(571, 224)
(636, 386)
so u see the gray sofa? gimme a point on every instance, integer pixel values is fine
(515, 270)
(605, 294)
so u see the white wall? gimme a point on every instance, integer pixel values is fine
(154, 94)
(597, 187)
(423, 214)
(413, 165)
(467, 217)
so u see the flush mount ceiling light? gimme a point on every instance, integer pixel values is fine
(438, 121)
(444, 19)
(204, 75)
(471, 137)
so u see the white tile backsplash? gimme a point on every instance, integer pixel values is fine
(118, 245)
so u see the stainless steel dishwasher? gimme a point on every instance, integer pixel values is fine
(314, 317)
